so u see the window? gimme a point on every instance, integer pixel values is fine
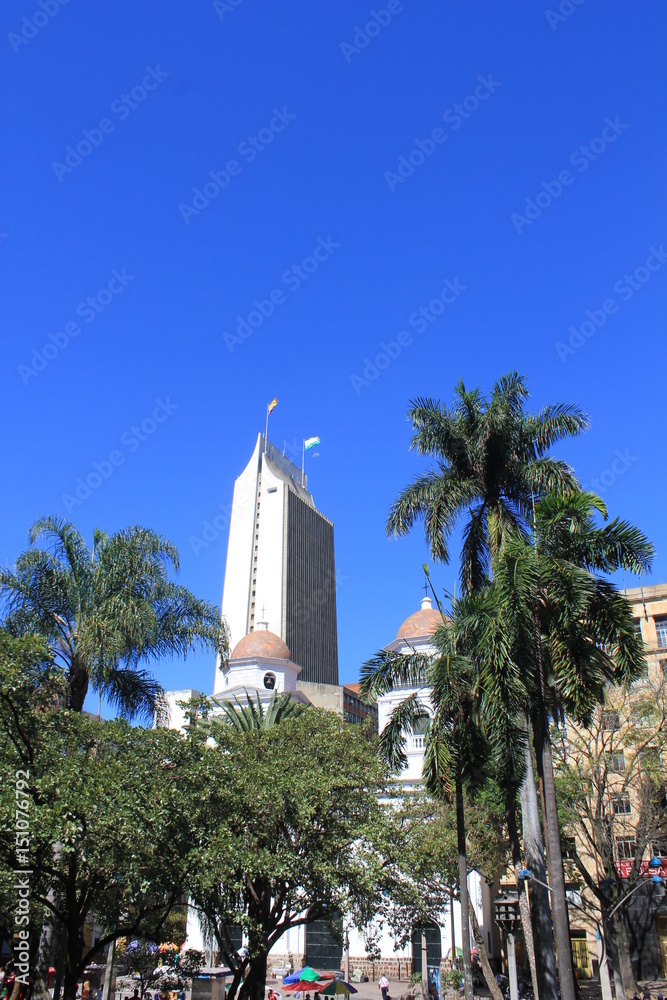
(641, 717)
(621, 806)
(661, 630)
(659, 849)
(568, 847)
(618, 761)
(638, 627)
(663, 667)
(610, 721)
(625, 848)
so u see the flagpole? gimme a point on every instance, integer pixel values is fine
(303, 459)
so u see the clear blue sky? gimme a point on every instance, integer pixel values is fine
(306, 121)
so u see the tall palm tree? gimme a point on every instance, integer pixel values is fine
(455, 748)
(568, 634)
(491, 461)
(108, 611)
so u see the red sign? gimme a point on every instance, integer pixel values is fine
(623, 868)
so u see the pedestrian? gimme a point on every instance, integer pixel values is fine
(384, 986)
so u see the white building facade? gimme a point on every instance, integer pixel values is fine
(280, 567)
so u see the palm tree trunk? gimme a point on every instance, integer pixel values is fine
(524, 909)
(559, 898)
(463, 888)
(494, 989)
(451, 916)
(78, 687)
(540, 910)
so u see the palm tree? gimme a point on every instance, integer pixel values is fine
(253, 715)
(455, 748)
(568, 633)
(491, 461)
(105, 612)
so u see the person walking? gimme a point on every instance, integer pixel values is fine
(384, 987)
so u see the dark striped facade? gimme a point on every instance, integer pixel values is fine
(309, 592)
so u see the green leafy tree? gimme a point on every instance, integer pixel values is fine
(610, 780)
(424, 851)
(290, 835)
(120, 804)
(107, 611)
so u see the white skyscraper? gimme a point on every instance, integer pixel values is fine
(280, 572)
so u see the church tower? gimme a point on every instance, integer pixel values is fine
(280, 570)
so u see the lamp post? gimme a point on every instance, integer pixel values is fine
(509, 920)
(603, 953)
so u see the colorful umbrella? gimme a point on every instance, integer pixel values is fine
(307, 974)
(305, 984)
(335, 987)
(459, 953)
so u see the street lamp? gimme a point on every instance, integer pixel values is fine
(509, 920)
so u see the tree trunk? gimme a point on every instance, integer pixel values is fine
(47, 941)
(540, 910)
(494, 989)
(524, 909)
(619, 947)
(463, 889)
(451, 914)
(78, 687)
(559, 899)
(424, 965)
(254, 986)
(72, 962)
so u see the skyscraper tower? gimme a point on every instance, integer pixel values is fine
(280, 572)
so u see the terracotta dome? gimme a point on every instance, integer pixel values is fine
(422, 622)
(261, 644)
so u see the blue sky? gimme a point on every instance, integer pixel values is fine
(432, 152)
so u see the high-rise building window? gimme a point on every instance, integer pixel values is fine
(661, 630)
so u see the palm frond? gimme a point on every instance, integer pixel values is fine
(388, 670)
